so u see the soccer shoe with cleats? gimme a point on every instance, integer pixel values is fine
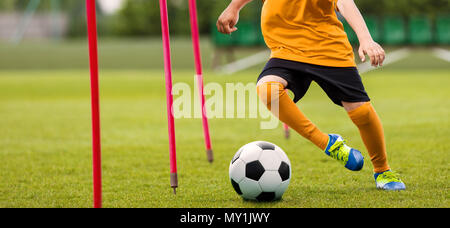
(351, 158)
(389, 180)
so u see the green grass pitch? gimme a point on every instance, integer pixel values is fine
(45, 143)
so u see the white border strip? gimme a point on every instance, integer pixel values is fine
(390, 58)
(442, 54)
(365, 67)
(245, 63)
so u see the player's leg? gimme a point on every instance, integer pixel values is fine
(272, 92)
(296, 77)
(345, 88)
(370, 127)
(272, 78)
(366, 119)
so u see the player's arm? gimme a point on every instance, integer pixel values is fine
(351, 13)
(229, 18)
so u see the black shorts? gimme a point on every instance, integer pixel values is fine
(339, 83)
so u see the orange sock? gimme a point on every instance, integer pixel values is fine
(274, 96)
(371, 130)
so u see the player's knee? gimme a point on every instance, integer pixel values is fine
(350, 106)
(363, 114)
(269, 91)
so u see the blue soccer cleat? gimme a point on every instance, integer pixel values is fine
(351, 158)
(389, 180)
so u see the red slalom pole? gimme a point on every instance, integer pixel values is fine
(286, 131)
(168, 77)
(199, 74)
(93, 60)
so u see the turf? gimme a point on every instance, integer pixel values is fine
(45, 143)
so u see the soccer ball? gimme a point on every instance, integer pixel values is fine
(260, 171)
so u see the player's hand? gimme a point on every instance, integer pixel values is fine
(227, 21)
(374, 51)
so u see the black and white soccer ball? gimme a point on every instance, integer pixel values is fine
(260, 171)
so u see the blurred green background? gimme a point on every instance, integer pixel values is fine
(141, 17)
(50, 34)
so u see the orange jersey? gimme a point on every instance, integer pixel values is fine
(306, 31)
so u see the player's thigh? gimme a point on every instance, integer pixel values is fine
(272, 78)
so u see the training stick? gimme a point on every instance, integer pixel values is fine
(286, 131)
(93, 60)
(199, 75)
(168, 76)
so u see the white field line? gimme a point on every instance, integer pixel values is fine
(245, 63)
(442, 54)
(263, 56)
(390, 58)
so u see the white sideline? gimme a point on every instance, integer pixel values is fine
(390, 58)
(245, 63)
(263, 56)
(442, 54)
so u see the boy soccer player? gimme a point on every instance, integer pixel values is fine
(308, 43)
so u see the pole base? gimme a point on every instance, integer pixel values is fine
(174, 182)
(209, 155)
(287, 134)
